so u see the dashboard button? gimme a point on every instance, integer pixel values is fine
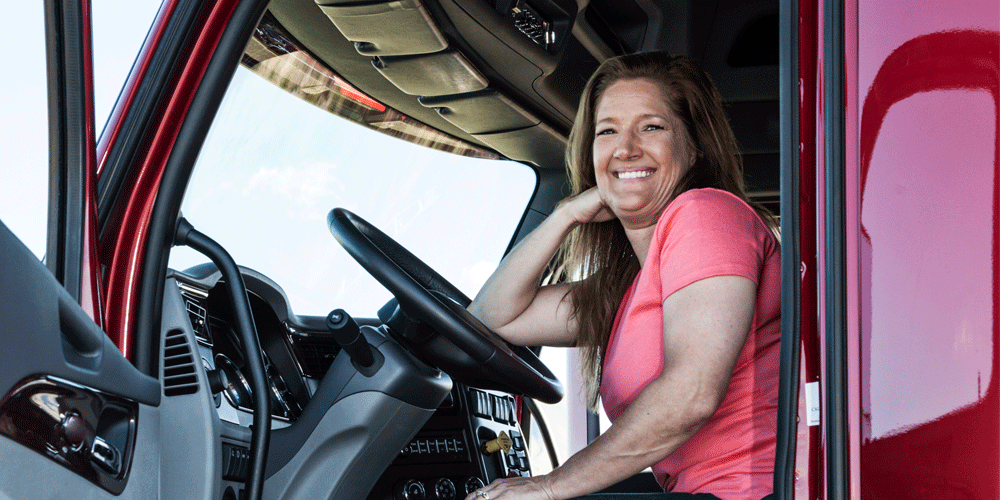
(411, 490)
(472, 484)
(444, 489)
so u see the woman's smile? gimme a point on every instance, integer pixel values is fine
(633, 174)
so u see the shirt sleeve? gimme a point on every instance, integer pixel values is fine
(707, 233)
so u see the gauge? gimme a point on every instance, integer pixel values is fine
(285, 404)
(236, 389)
(217, 397)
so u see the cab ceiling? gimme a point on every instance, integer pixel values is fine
(542, 85)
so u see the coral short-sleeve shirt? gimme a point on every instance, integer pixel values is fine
(705, 233)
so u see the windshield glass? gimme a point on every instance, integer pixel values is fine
(278, 158)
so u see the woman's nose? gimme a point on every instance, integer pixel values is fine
(626, 148)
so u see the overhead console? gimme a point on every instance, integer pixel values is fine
(508, 73)
(385, 28)
(543, 22)
(447, 66)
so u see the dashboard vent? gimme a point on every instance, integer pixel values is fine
(179, 376)
(315, 354)
(194, 302)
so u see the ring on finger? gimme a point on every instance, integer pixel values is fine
(481, 493)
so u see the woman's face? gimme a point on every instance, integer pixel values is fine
(640, 151)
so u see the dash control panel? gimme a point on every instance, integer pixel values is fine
(496, 420)
(470, 441)
(434, 448)
(497, 408)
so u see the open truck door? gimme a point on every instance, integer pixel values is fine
(76, 417)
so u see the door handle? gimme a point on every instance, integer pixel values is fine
(106, 456)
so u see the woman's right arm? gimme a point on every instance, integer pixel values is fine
(513, 304)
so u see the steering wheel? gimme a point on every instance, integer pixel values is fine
(460, 344)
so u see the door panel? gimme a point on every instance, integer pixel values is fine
(46, 332)
(75, 416)
(69, 394)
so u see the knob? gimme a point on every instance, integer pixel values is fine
(473, 484)
(74, 431)
(346, 333)
(411, 490)
(502, 442)
(444, 489)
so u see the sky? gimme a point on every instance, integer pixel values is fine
(268, 175)
(120, 26)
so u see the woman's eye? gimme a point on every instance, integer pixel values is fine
(653, 126)
(605, 131)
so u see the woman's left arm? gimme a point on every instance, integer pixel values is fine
(705, 325)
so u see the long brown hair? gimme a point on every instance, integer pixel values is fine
(597, 258)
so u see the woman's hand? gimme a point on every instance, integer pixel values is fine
(516, 488)
(587, 206)
(512, 303)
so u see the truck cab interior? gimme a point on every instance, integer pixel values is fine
(205, 377)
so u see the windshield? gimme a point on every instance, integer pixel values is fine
(278, 158)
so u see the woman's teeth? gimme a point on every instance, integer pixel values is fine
(634, 174)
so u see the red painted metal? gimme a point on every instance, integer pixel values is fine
(809, 458)
(928, 248)
(818, 483)
(129, 232)
(108, 139)
(90, 287)
(853, 264)
(110, 136)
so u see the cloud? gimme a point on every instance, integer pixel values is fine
(305, 192)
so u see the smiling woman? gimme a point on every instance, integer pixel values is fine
(668, 279)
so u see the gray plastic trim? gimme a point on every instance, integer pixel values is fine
(46, 332)
(540, 145)
(345, 455)
(441, 73)
(192, 462)
(481, 112)
(390, 28)
(401, 377)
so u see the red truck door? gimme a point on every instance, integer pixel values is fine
(908, 206)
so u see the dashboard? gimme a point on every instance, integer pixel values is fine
(472, 438)
(295, 355)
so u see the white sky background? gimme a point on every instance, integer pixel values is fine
(120, 26)
(270, 172)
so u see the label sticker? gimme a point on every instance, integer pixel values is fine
(812, 403)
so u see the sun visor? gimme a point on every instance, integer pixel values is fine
(539, 144)
(398, 27)
(440, 73)
(481, 112)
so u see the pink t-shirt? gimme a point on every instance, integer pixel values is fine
(706, 233)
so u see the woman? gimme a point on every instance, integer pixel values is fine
(669, 285)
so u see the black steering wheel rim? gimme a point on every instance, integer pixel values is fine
(424, 294)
